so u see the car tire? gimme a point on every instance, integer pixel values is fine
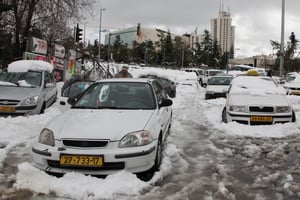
(158, 157)
(43, 108)
(147, 175)
(224, 117)
(293, 116)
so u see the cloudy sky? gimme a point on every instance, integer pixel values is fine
(257, 21)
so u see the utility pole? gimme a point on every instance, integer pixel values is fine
(282, 40)
(101, 9)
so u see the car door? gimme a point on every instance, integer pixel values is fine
(50, 89)
(163, 113)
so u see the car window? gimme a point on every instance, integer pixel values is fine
(117, 95)
(22, 79)
(159, 91)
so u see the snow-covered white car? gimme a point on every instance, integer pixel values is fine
(292, 84)
(27, 87)
(208, 74)
(116, 124)
(256, 100)
(218, 86)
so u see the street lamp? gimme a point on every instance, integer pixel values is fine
(101, 9)
(282, 39)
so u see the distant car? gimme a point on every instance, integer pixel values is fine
(116, 124)
(73, 89)
(168, 85)
(208, 74)
(217, 86)
(27, 87)
(292, 84)
(257, 100)
(199, 72)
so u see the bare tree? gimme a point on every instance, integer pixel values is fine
(49, 17)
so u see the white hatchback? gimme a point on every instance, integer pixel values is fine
(256, 100)
(116, 124)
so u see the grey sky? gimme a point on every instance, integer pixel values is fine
(257, 21)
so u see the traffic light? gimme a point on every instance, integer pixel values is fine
(292, 37)
(78, 34)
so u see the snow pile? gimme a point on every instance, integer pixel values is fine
(25, 65)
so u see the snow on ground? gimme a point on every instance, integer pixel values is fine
(25, 130)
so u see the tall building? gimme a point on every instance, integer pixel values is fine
(223, 31)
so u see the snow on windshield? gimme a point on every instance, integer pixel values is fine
(25, 65)
(255, 85)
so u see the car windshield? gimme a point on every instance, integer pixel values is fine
(219, 81)
(75, 89)
(117, 95)
(213, 73)
(21, 79)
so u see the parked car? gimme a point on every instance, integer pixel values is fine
(73, 89)
(292, 84)
(199, 72)
(116, 124)
(256, 100)
(168, 85)
(208, 74)
(218, 86)
(27, 87)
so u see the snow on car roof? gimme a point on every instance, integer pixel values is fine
(25, 65)
(255, 85)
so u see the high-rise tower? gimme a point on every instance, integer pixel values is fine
(223, 31)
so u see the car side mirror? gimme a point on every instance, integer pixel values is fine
(165, 103)
(72, 100)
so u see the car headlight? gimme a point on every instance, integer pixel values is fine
(283, 109)
(239, 108)
(30, 101)
(46, 137)
(134, 139)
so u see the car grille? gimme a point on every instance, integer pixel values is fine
(85, 143)
(8, 102)
(261, 109)
(105, 166)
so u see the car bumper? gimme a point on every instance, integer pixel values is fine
(259, 119)
(20, 110)
(133, 159)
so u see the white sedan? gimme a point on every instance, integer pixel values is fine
(117, 124)
(292, 84)
(217, 86)
(256, 100)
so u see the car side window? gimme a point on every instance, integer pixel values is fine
(159, 92)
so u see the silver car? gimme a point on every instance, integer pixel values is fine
(27, 87)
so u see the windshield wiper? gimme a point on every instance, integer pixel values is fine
(83, 107)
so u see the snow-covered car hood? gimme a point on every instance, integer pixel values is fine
(217, 88)
(99, 124)
(265, 100)
(17, 93)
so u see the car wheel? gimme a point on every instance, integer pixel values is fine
(293, 116)
(158, 156)
(224, 117)
(43, 108)
(147, 175)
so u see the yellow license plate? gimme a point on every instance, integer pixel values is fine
(296, 93)
(7, 109)
(261, 119)
(79, 160)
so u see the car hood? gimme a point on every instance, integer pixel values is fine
(99, 124)
(252, 100)
(217, 88)
(17, 93)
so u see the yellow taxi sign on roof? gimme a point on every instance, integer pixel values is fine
(252, 72)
